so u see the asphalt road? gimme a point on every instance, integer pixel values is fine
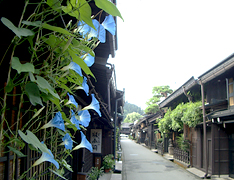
(140, 163)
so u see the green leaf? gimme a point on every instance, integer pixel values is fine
(30, 138)
(31, 76)
(55, 42)
(38, 112)
(33, 93)
(58, 173)
(18, 31)
(49, 97)
(9, 87)
(80, 10)
(54, 4)
(63, 86)
(81, 63)
(67, 166)
(20, 154)
(57, 29)
(35, 23)
(44, 84)
(85, 13)
(80, 47)
(27, 67)
(109, 7)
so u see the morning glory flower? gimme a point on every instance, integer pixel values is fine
(46, 157)
(88, 32)
(75, 67)
(84, 86)
(83, 28)
(84, 117)
(67, 141)
(57, 122)
(100, 31)
(71, 100)
(94, 105)
(74, 120)
(84, 143)
(89, 60)
(109, 24)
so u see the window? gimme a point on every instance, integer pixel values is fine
(230, 92)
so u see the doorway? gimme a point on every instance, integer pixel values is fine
(231, 150)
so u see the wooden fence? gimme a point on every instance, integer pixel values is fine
(181, 155)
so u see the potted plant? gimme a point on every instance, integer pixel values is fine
(108, 162)
(95, 173)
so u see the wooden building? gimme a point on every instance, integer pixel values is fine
(211, 149)
(126, 128)
(145, 130)
(218, 92)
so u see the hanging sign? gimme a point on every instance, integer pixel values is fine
(96, 140)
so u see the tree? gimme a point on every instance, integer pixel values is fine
(132, 117)
(130, 108)
(189, 113)
(158, 92)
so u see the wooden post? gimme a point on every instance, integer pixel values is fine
(204, 129)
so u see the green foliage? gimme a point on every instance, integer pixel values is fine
(193, 114)
(27, 67)
(18, 31)
(152, 109)
(182, 143)
(108, 161)
(132, 117)
(41, 82)
(176, 116)
(109, 7)
(95, 173)
(161, 90)
(165, 123)
(130, 108)
(158, 92)
(189, 114)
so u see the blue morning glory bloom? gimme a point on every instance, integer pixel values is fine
(84, 143)
(71, 100)
(74, 120)
(89, 60)
(100, 31)
(83, 28)
(46, 157)
(84, 117)
(109, 24)
(94, 105)
(57, 122)
(67, 141)
(88, 32)
(84, 86)
(75, 67)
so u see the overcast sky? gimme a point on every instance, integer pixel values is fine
(166, 42)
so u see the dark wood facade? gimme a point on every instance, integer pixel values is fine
(219, 117)
(218, 85)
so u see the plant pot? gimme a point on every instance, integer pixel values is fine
(107, 170)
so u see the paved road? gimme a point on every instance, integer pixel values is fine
(140, 163)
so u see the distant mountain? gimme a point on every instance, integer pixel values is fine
(129, 108)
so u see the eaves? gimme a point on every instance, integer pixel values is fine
(218, 69)
(186, 86)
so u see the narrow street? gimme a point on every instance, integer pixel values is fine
(140, 163)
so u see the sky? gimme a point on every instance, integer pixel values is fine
(166, 42)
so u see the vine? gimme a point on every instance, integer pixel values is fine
(45, 81)
(188, 113)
